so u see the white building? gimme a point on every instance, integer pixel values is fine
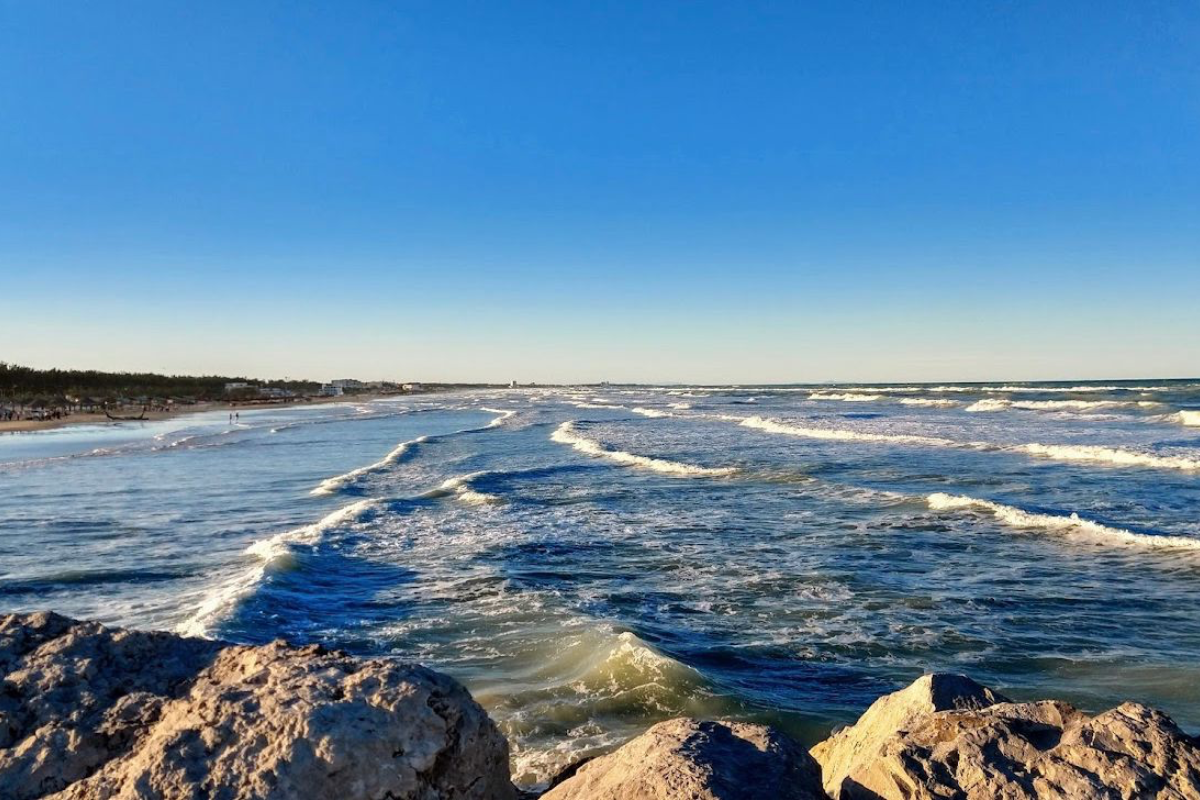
(330, 390)
(346, 383)
(411, 387)
(236, 386)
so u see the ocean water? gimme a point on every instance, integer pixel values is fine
(590, 560)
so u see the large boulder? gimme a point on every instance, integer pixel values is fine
(97, 713)
(687, 758)
(1018, 750)
(843, 751)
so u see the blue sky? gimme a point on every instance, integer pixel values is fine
(560, 191)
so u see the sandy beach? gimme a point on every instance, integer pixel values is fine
(26, 425)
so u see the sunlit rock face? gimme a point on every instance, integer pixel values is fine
(91, 712)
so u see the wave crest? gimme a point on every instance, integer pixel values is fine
(840, 435)
(567, 433)
(1072, 523)
(275, 553)
(1109, 455)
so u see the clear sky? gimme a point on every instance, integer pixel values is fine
(570, 191)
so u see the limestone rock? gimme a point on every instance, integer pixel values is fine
(89, 712)
(893, 712)
(687, 758)
(1026, 750)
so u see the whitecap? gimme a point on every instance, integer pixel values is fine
(1069, 523)
(566, 433)
(270, 554)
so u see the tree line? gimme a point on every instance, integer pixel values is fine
(21, 384)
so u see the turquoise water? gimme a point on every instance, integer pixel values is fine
(589, 560)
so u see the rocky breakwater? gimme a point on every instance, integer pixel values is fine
(97, 713)
(92, 712)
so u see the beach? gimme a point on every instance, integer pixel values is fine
(93, 418)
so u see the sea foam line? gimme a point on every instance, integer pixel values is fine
(567, 433)
(1056, 452)
(837, 434)
(651, 412)
(1108, 455)
(1073, 523)
(271, 553)
(338, 482)
(1189, 418)
(996, 404)
(460, 487)
(847, 397)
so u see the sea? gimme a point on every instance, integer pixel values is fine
(588, 560)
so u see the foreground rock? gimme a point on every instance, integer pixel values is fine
(98, 713)
(686, 758)
(849, 748)
(948, 737)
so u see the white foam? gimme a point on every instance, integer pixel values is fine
(681, 406)
(596, 405)
(271, 553)
(928, 401)
(505, 414)
(566, 433)
(1073, 523)
(1109, 455)
(460, 487)
(847, 397)
(651, 412)
(1189, 418)
(995, 404)
(338, 482)
(837, 434)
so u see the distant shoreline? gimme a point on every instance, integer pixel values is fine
(90, 418)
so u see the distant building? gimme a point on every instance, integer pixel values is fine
(330, 390)
(275, 392)
(346, 383)
(512, 384)
(411, 387)
(236, 386)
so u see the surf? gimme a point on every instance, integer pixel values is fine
(568, 434)
(1069, 523)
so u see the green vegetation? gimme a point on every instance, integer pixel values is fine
(62, 387)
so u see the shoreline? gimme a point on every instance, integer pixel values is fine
(92, 418)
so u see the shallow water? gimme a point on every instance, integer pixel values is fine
(590, 560)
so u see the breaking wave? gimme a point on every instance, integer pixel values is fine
(1108, 455)
(848, 397)
(460, 487)
(996, 404)
(928, 401)
(651, 412)
(841, 435)
(567, 433)
(275, 553)
(589, 677)
(1068, 523)
(339, 482)
(1189, 418)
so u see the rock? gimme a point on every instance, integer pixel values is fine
(687, 758)
(842, 751)
(97, 713)
(1023, 750)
